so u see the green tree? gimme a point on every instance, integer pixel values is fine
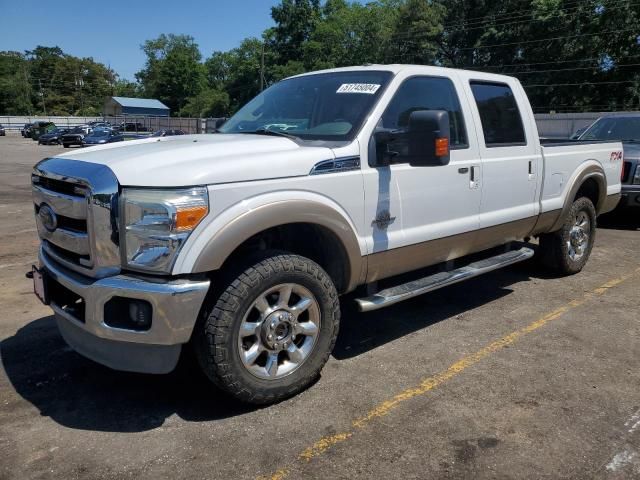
(349, 34)
(46, 79)
(126, 88)
(15, 92)
(570, 56)
(416, 31)
(237, 71)
(295, 22)
(173, 70)
(209, 102)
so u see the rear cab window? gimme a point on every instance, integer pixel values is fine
(499, 114)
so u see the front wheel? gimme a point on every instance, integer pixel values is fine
(271, 330)
(567, 250)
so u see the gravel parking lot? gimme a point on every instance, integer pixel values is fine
(513, 375)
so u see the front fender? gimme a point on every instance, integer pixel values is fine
(214, 242)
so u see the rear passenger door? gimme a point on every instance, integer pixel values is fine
(510, 153)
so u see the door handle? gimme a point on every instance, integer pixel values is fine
(463, 170)
(474, 178)
(531, 174)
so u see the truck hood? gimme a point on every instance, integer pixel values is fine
(185, 160)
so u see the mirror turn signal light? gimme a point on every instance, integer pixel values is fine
(442, 147)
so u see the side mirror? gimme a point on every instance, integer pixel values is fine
(428, 138)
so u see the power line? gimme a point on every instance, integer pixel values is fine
(528, 42)
(526, 72)
(557, 62)
(577, 84)
(493, 17)
(525, 19)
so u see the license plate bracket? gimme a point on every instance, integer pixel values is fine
(40, 284)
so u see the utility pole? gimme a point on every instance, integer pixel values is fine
(262, 69)
(80, 84)
(44, 106)
(27, 93)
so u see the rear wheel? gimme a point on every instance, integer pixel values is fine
(271, 330)
(567, 250)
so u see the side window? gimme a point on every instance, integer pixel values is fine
(499, 114)
(424, 93)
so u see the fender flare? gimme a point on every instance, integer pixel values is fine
(594, 171)
(225, 240)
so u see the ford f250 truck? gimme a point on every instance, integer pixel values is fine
(383, 181)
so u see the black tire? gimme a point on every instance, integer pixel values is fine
(555, 251)
(216, 339)
(65, 145)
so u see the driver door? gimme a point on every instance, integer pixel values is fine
(422, 215)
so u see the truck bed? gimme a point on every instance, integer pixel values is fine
(563, 159)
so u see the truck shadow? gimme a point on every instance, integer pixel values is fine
(361, 332)
(628, 219)
(78, 393)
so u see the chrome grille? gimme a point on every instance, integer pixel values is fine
(76, 214)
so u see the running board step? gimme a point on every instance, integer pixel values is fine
(408, 290)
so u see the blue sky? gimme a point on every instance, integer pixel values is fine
(111, 32)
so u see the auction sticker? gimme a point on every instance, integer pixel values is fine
(368, 88)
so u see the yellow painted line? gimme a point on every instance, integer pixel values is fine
(433, 382)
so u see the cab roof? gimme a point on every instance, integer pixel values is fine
(417, 69)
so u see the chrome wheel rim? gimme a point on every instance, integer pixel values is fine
(579, 236)
(279, 331)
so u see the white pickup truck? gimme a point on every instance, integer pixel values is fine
(238, 244)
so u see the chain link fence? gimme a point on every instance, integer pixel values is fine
(129, 123)
(552, 125)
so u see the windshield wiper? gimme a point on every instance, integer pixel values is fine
(274, 133)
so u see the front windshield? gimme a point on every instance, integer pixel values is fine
(323, 106)
(612, 128)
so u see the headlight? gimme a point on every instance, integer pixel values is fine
(636, 177)
(156, 223)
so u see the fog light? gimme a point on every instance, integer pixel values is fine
(140, 314)
(128, 314)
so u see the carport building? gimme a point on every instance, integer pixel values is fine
(117, 106)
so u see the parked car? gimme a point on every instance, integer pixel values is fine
(2, 131)
(40, 128)
(99, 124)
(132, 127)
(26, 130)
(167, 133)
(100, 136)
(239, 244)
(75, 136)
(54, 137)
(625, 128)
(577, 133)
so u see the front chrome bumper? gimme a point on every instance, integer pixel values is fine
(175, 303)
